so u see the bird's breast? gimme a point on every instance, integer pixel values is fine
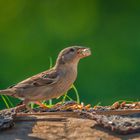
(68, 77)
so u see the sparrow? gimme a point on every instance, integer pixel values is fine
(51, 83)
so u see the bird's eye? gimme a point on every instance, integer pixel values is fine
(72, 50)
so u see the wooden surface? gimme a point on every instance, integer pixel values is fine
(59, 127)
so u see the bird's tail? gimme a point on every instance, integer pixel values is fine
(5, 92)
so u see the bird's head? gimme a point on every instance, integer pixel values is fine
(72, 54)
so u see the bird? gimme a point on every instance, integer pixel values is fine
(51, 83)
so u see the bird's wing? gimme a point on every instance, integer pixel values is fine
(47, 79)
(42, 79)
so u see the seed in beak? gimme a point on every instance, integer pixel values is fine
(86, 52)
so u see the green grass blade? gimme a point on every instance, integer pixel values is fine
(127, 101)
(69, 98)
(4, 100)
(64, 97)
(98, 104)
(32, 104)
(51, 64)
(77, 94)
(50, 102)
(11, 104)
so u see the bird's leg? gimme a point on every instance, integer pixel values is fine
(41, 105)
(26, 102)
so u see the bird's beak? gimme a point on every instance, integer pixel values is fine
(84, 52)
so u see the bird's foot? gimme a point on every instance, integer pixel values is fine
(41, 105)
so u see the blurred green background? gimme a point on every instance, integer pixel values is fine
(31, 31)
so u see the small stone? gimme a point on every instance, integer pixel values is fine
(116, 105)
(122, 104)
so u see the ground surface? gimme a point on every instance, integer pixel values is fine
(56, 127)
